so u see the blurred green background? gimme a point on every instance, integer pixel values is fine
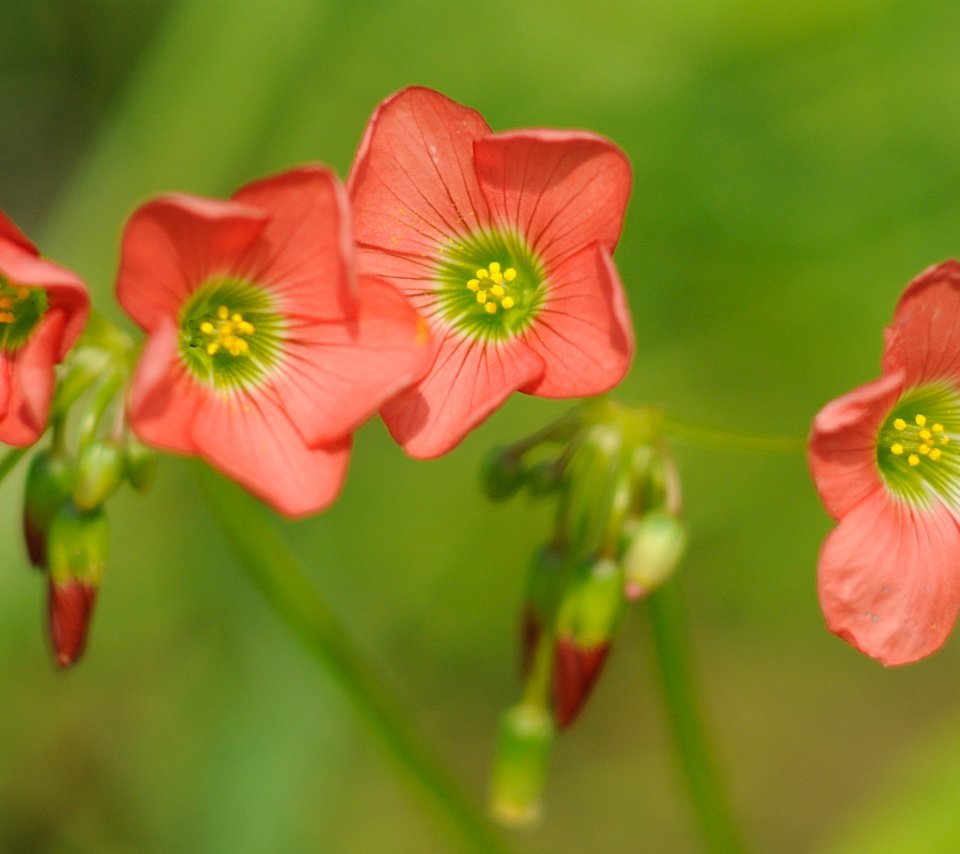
(796, 164)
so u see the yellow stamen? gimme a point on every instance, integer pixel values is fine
(212, 348)
(481, 297)
(474, 285)
(935, 454)
(223, 312)
(497, 291)
(509, 274)
(924, 449)
(494, 267)
(921, 420)
(896, 448)
(913, 459)
(490, 308)
(925, 435)
(507, 302)
(206, 327)
(899, 423)
(937, 428)
(483, 274)
(23, 293)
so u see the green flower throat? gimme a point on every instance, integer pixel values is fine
(491, 285)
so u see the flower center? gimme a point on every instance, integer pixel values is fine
(231, 334)
(490, 285)
(917, 449)
(20, 311)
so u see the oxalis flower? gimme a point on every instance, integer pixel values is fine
(265, 350)
(886, 461)
(43, 310)
(503, 242)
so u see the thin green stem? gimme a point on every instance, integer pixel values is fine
(717, 825)
(703, 435)
(9, 461)
(283, 582)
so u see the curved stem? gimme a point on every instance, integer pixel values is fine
(702, 435)
(717, 825)
(283, 582)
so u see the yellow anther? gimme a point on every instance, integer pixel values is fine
(509, 274)
(5, 302)
(497, 291)
(490, 308)
(925, 434)
(924, 449)
(944, 440)
(496, 277)
(223, 312)
(896, 448)
(921, 420)
(494, 267)
(913, 459)
(206, 327)
(935, 454)
(244, 327)
(899, 423)
(937, 428)
(507, 302)
(212, 348)
(481, 297)
(236, 318)
(483, 274)
(6, 317)
(23, 293)
(474, 285)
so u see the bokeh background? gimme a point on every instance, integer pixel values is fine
(796, 164)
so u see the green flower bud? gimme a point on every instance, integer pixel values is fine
(100, 469)
(654, 546)
(77, 556)
(141, 463)
(524, 743)
(502, 474)
(50, 480)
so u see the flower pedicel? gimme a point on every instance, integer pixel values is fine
(503, 242)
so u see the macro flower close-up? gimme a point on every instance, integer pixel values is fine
(886, 461)
(43, 310)
(265, 349)
(503, 242)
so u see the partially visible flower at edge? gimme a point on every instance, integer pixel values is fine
(265, 350)
(43, 310)
(503, 242)
(885, 459)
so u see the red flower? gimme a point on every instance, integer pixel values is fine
(886, 461)
(43, 309)
(503, 242)
(264, 350)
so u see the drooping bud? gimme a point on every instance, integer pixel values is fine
(544, 582)
(524, 743)
(49, 481)
(654, 545)
(77, 556)
(141, 463)
(100, 470)
(502, 474)
(589, 616)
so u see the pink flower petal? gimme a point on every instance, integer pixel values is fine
(561, 190)
(336, 375)
(843, 444)
(413, 184)
(468, 380)
(583, 331)
(249, 438)
(305, 253)
(175, 243)
(924, 339)
(888, 578)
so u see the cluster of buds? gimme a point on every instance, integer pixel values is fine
(618, 535)
(90, 454)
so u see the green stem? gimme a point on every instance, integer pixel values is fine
(702, 435)
(283, 582)
(9, 461)
(716, 822)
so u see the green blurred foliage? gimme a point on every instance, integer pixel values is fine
(796, 164)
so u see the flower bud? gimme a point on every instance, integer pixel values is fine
(77, 556)
(141, 463)
(100, 469)
(653, 549)
(524, 744)
(49, 481)
(587, 621)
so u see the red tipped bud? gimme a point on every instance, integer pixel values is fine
(524, 744)
(77, 557)
(100, 469)
(49, 482)
(654, 547)
(69, 608)
(587, 622)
